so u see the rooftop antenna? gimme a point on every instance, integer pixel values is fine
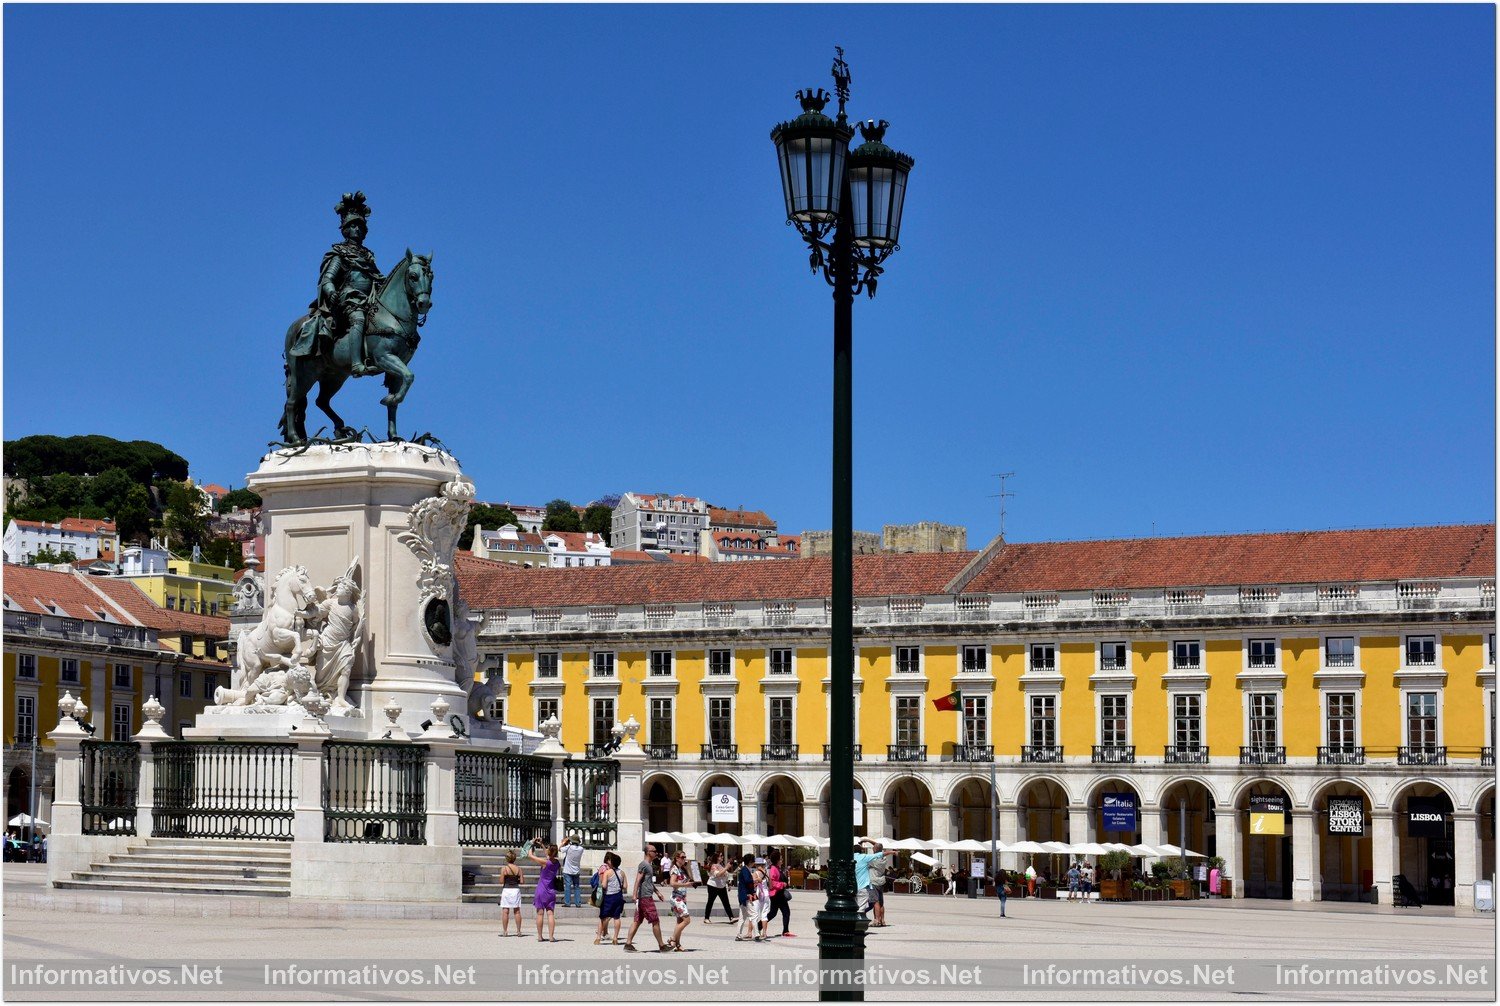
(1002, 496)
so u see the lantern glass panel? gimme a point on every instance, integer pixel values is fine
(811, 168)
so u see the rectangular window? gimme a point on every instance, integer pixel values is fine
(495, 711)
(661, 663)
(1186, 655)
(976, 720)
(908, 660)
(1339, 651)
(1421, 651)
(604, 721)
(661, 721)
(604, 664)
(1263, 725)
(171, 603)
(210, 685)
(1262, 653)
(185, 685)
(1111, 656)
(1044, 721)
(1113, 720)
(1341, 721)
(976, 659)
(908, 719)
(122, 675)
(70, 671)
(547, 709)
(780, 731)
(1044, 656)
(721, 722)
(26, 666)
(719, 662)
(25, 718)
(1187, 721)
(781, 661)
(120, 723)
(546, 664)
(1421, 720)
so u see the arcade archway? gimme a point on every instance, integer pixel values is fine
(1265, 813)
(1424, 841)
(908, 809)
(1345, 845)
(663, 804)
(1042, 807)
(781, 806)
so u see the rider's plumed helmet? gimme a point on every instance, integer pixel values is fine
(352, 207)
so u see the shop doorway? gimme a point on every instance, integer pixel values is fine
(1264, 812)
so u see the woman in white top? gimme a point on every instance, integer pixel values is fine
(718, 888)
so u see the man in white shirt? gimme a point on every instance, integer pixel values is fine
(572, 863)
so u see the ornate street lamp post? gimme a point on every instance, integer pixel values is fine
(847, 207)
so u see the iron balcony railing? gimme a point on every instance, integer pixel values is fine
(223, 789)
(1341, 754)
(502, 799)
(661, 752)
(598, 750)
(1042, 752)
(109, 773)
(1421, 754)
(1264, 754)
(778, 752)
(906, 752)
(720, 752)
(974, 752)
(1186, 754)
(1114, 754)
(590, 788)
(375, 791)
(858, 752)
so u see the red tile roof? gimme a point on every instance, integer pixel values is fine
(88, 525)
(575, 541)
(740, 518)
(1283, 557)
(31, 589)
(748, 542)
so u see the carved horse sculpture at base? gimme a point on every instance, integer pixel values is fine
(398, 308)
(272, 646)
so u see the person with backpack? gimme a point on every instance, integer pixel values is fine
(611, 895)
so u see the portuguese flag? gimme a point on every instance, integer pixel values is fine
(948, 703)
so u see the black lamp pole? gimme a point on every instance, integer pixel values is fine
(854, 198)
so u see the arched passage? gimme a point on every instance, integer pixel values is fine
(17, 791)
(1264, 810)
(663, 804)
(861, 802)
(1341, 811)
(781, 806)
(1043, 811)
(908, 809)
(971, 813)
(1424, 841)
(1113, 804)
(1187, 811)
(1486, 823)
(706, 808)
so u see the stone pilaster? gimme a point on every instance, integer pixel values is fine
(1465, 857)
(1227, 846)
(1383, 852)
(1307, 873)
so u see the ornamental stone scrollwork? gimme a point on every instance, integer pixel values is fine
(434, 526)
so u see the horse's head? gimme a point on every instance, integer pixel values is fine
(294, 588)
(419, 284)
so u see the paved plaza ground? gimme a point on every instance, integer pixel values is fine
(930, 929)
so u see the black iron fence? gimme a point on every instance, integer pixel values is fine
(375, 791)
(502, 799)
(590, 787)
(108, 774)
(223, 789)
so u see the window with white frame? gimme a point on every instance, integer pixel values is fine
(604, 720)
(1421, 651)
(547, 709)
(976, 659)
(185, 685)
(1043, 656)
(1114, 720)
(26, 666)
(122, 676)
(1338, 651)
(781, 661)
(1187, 654)
(908, 719)
(1044, 721)
(547, 664)
(69, 671)
(1112, 656)
(661, 663)
(1262, 653)
(1187, 722)
(604, 664)
(1421, 720)
(908, 660)
(1264, 728)
(721, 721)
(25, 718)
(1341, 735)
(976, 720)
(119, 728)
(779, 727)
(494, 710)
(661, 721)
(720, 662)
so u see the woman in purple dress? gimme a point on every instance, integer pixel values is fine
(545, 900)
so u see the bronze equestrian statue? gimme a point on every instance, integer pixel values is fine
(360, 324)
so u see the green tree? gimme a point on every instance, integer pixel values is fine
(561, 517)
(597, 518)
(489, 516)
(47, 555)
(184, 524)
(224, 552)
(242, 498)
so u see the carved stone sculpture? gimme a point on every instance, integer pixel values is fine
(433, 529)
(341, 610)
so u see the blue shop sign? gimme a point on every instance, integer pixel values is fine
(1119, 812)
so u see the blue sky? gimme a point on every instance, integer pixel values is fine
(1181, 268)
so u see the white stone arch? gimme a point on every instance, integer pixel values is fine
(1025, 782)
(1483, 789)
(958, 782)
(1165, 785)
(1406, 782)
(1321, 787)
(1242, 788)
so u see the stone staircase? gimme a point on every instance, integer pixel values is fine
(193, 866)
(482, 876)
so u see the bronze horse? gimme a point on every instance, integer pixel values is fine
(399, 307)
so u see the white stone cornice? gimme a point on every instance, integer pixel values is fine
(906, 684)
(1185, 680)
(781, 685)
(602, 686)
(966, 680)
(547, 687)
(1112, 682)
(1260, 679)
(661, 685)
(859, 686)
(1338, 677)
(1041, 682)
(719, 684)
(1421, 677)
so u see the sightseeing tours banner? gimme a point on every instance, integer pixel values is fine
(1267, 815)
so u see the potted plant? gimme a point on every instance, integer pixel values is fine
(1113, 888)
(1171, 877)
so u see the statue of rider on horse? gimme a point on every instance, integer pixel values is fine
(360, 324)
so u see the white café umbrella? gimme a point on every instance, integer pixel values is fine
(1116, 847)
(26, 820)
(1088, 849)
(923, 858)
(1172, 850)
(813, 841)
(1056, 848)
(1142, 850)
(754, 838)
(657, 836)
(1032, 847)
(782, 841)
(908, 844)
(975, 845)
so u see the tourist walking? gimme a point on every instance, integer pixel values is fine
(645, 901)
(510, 893)
(718, 888)
(781, 898)
(1075, 877)
(572, 868)
(1088, 882)
(679, 881)
(862, 861)
(611, 897)
(545, 898)
(745, 889)
(752, 909)
(1002, 889)
(877, 869)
